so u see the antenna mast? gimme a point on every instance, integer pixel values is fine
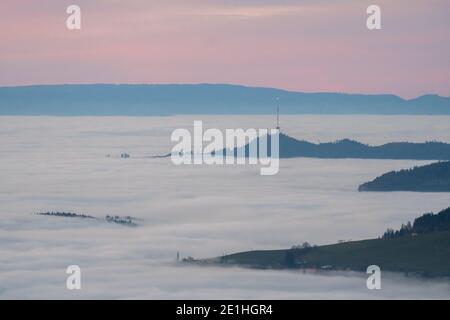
(278, 114)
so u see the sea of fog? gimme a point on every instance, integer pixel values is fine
(60, 164)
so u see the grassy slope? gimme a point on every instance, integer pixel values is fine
(426, 254)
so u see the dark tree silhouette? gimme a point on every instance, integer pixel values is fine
(428, 222)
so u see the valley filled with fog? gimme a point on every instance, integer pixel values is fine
(73, 164)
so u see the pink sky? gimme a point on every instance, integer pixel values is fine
(302, 45)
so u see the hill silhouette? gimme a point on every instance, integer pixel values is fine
(292, 148)
(430, 178)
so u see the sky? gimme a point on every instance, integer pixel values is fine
(301, 45)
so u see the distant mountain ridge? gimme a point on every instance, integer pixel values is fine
(171, 99)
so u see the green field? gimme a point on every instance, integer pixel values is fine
(426, 255)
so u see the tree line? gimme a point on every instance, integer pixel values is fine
(429, 222)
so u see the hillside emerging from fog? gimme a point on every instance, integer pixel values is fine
(290, 147)
(430, 178)
(420, 248)
(170, 99)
